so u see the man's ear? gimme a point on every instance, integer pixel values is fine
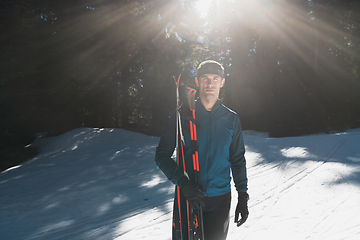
(222, 82)
(196, 82)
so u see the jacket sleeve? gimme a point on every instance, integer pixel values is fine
(237, 158)
(165, 150)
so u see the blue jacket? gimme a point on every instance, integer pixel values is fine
(220, 146)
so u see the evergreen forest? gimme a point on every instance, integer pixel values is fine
(291, 66)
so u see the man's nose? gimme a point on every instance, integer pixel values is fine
(210, 82)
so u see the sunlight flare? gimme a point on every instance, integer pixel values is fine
(202, 6)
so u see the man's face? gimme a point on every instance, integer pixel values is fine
(210, 85)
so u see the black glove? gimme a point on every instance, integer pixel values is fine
(192, 192)
(242, 208)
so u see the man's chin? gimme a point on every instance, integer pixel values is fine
(211, 95)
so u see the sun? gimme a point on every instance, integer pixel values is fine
(202, 6)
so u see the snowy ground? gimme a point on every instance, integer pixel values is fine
(104, 184)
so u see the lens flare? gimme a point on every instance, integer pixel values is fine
(192, 72)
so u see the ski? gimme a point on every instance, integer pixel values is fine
(181, 217)
(187, 222)
(190, 94)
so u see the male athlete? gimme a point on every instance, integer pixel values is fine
(221, 149)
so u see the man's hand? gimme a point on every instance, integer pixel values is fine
(192, 192)
(242, 208)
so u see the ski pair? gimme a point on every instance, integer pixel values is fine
(187, 222)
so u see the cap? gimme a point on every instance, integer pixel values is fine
(210, 67)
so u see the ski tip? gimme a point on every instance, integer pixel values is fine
(190, 91)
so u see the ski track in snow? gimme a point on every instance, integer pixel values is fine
(104, 184)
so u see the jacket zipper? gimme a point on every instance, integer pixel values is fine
(208, 148)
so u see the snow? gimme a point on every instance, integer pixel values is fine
(104, 184)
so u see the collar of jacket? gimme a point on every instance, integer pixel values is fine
(200, 107)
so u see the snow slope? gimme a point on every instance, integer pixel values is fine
(104, 184)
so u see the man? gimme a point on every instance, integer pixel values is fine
(221, 149)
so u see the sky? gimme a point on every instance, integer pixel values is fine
(93, 183)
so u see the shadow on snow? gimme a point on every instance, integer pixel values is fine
(294, 152)
(83, 185)
(96, 183)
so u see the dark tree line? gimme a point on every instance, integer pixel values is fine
(292, 67)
